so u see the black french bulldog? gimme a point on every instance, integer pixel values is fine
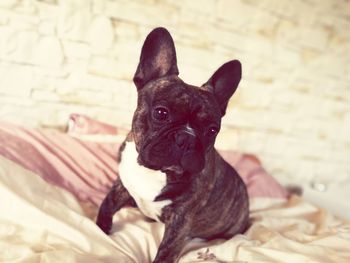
(168, 167)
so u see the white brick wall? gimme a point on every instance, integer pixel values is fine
(293, 105)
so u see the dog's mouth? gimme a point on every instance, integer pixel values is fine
(175, 169)
(176, 152)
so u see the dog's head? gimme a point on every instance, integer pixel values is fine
(175, 124)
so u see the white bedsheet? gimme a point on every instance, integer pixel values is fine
(43, 223)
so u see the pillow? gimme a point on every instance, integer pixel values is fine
(88, 168)
(85, 168)
(259, 183)
(81, 124)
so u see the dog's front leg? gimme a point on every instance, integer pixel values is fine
(174, 239)
(117, 197)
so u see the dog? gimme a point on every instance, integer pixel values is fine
(169, 167)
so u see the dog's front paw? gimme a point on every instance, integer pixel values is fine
(105, 223)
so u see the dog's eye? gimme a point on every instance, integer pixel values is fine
(160, 113)
(213, 130)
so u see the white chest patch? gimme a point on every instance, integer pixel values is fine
(143, 184)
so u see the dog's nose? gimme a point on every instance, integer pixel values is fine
(180, 139)
(185, 140)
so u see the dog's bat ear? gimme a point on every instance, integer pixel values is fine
(224, 83)
(158, 58)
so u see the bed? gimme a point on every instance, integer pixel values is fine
(51, 184)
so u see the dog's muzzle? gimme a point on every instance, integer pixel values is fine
(178, 150)
(185, 140)
(191, 149)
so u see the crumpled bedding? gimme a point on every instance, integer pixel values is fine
(40, 222)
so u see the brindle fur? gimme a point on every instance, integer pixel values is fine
(208, 204)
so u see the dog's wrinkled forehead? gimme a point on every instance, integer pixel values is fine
(181, 98)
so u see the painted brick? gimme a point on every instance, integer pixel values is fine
(19, 46)
(48, 52)
(101, 34)
(127, 11)
(74, 20)
(109, 68)
(76, 50)
(47, 28)
(292, 106)
(8, 3)
(15, 82)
